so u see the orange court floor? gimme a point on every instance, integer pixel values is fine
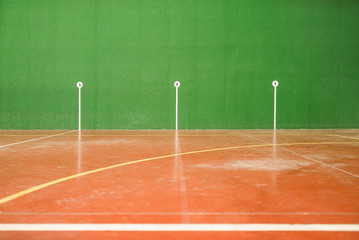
(186, 184)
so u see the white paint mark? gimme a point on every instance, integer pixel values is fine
(257, 165)
(181, 213)
(325, 164)
(177, 84)
(79, 85)
(275, 85)
(35, 139)
(182, 227)
(311, 159)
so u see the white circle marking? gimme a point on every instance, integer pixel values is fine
(177, 84)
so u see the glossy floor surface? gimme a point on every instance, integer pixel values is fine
(215, 178)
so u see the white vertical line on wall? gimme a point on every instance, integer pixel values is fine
(275, 85)
(177, 84)
(79, 85)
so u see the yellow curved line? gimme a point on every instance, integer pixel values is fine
(39, 187)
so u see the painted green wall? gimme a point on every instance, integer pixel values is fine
(226, 53)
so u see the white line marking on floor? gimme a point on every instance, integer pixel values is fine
(181, 213)
(181, 227)
(35, 139)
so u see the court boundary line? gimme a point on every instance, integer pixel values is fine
(181, 213)
(163, 227)
(172, 135)
(36, 139)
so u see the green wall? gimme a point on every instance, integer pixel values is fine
(225, 53)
